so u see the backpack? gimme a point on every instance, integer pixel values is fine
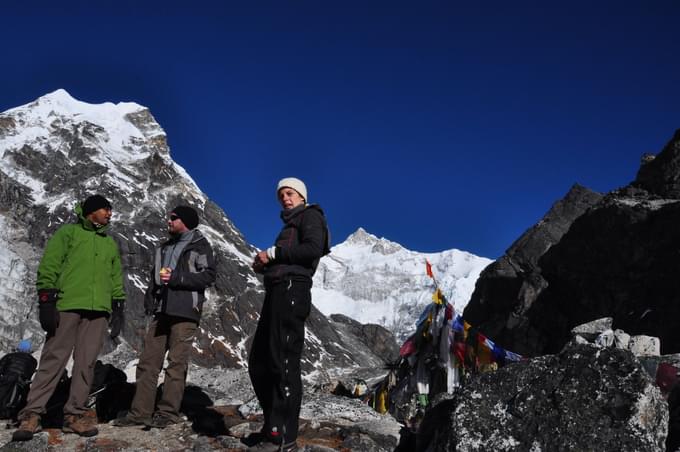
(16, 370)
(110, 392)
(327, 242)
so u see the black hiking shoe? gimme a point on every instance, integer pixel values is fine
(267, 446)
(254, 438)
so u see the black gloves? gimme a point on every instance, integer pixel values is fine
(151, 299)
(149, 306)
(117, 317)
(48, 313)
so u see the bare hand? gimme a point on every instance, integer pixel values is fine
(165, 274)
(262, 257)
(259, 261)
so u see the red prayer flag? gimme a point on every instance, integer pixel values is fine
(407, 348)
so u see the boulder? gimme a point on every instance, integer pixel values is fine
(584, 398)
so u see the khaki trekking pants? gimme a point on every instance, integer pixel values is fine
(174, 335)
(80, 333)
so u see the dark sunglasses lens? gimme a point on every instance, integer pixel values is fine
(173, 217)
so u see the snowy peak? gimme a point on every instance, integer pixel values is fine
(61, 102)
(57, 137)
(374, 280)
(122, 125)
(362, 238)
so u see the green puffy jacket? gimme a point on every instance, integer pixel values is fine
(84, 264)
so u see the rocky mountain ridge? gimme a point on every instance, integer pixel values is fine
(591, 256)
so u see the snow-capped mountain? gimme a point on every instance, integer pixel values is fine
(56, 151)
(374, 280)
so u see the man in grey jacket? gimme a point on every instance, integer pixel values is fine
(183, 268)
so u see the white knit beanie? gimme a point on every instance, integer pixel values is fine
(294, 183)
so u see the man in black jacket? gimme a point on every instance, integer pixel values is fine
(288, 267)
(183, 268)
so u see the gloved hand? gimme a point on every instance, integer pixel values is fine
(47, 310)
(117, 317)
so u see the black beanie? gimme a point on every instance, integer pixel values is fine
(188, 216)
(94, 203)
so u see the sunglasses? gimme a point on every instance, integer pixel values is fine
(173, 217)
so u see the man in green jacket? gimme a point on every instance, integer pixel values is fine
(79, 284)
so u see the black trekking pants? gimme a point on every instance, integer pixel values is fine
(274, 361)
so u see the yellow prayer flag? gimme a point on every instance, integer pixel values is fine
(438, 296)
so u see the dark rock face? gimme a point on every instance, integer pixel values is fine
(592, 256)
(585, 398)
(617, 261)
(661, 175)
(377, 338)
(507, 289)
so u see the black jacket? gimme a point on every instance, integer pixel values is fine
(299, 246)
(184, 294)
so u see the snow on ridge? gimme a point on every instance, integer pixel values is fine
(61, 101)
(366, 255)
(117, 140)
(182, 172)
(105, 127)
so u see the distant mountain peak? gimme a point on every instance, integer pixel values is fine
(59, 95)
(379, 245)
(361, 236)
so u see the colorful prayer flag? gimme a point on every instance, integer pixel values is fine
(438, 296)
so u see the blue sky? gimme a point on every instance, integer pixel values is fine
(434, 124)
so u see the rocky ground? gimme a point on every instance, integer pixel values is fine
(328, 422)
(352, 426)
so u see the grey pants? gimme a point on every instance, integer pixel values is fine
(174, 335)
(80, 333)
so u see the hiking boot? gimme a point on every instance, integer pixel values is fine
(80, 425)
(160, 421)
(267, 446)
(30, 425)
(130, 421)
(254, 438)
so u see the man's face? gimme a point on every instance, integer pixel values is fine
(289, 198)
(100, 217)
(176, 225)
